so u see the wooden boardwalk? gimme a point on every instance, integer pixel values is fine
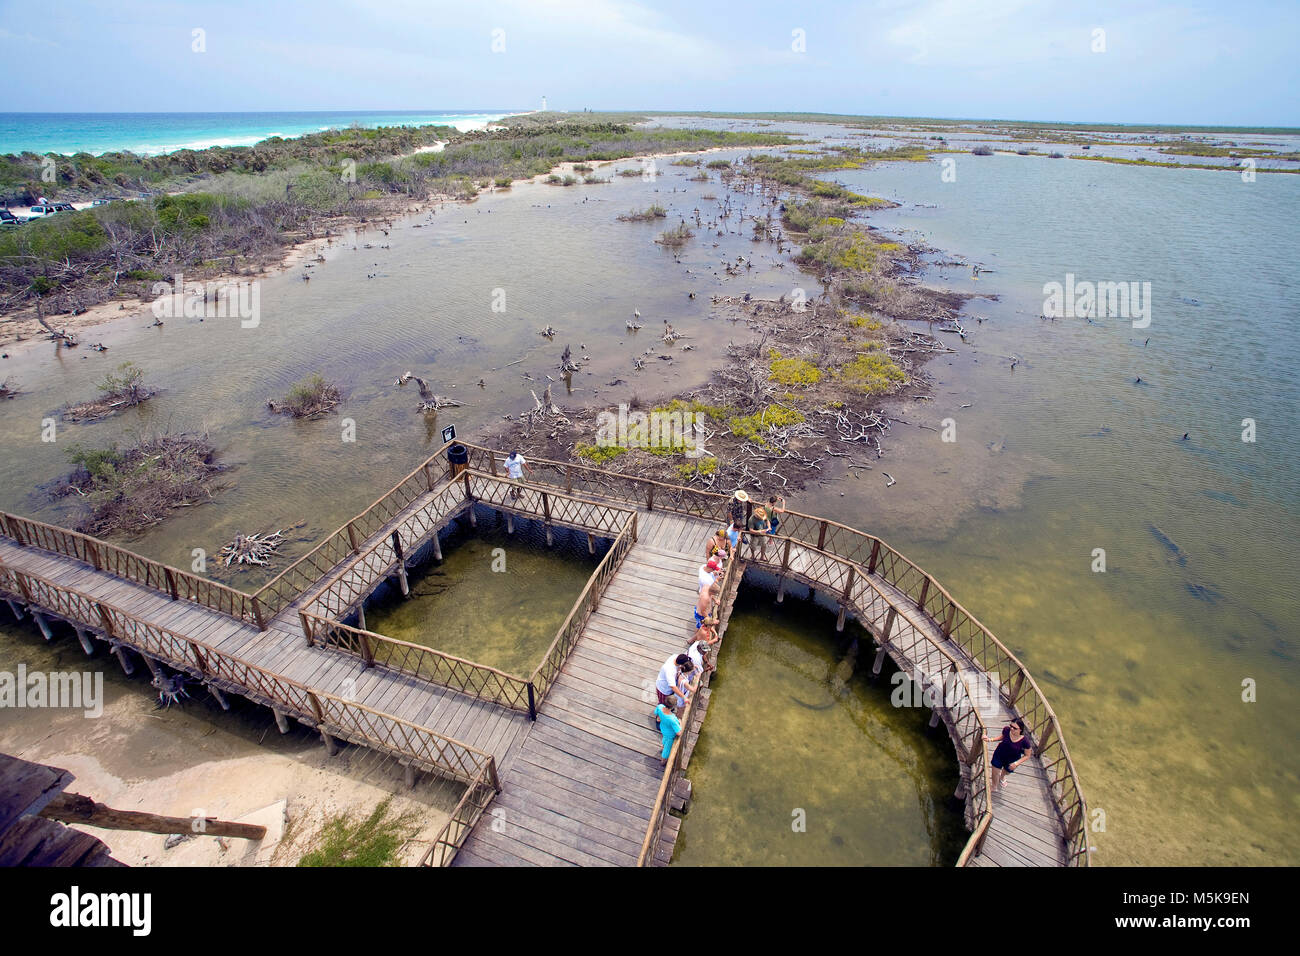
(581, 784)
(580, 789)
(282, 648)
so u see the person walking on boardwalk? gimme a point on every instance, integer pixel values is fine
(669, 728)
(1012, 750)
(515, 464)
(704, 606)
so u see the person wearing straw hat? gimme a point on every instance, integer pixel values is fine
(739, 499)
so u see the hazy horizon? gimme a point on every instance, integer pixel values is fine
(1139, 63)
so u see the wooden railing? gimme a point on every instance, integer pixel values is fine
(940, 673)
(305, 573)
(416, 660)
(464, 816)
(588, 601)
(347, 720)
(872, 557)
(103, 556)
(358, 575)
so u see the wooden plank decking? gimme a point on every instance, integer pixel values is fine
(282, 649)
(579, 785)
(580, 788)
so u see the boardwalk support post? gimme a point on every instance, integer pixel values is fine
(331, 746)
(127, 667)
(510, 523)
(39, 618)
(844, 598)
(591, 543)
(219, 697)
(84, 638)
(437, 548)
(281, 721)
(410, 776)
(18, 613)
(401, 564)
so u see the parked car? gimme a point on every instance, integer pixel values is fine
(106, 200)
(36, 212)
(64, 207)
(9, 219)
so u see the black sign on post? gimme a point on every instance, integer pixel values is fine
(449, 434)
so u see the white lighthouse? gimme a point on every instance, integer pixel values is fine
(543, 104)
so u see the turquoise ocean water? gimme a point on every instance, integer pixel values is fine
(152, 133)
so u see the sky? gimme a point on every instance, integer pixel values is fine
(1133, 61)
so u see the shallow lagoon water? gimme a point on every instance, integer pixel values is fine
(792, 770)
(1064, 454)
(497, 599)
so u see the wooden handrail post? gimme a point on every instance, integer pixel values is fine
(925, 590)
(492, 463)
(93, 551)
(649, 497)
(875, 555)
(785, 556)
(105, 620)
(367, 652)
(15, 531)
(821, 537)
(469, 495)
(307, 628)
(532, 702)
(634, 528)
(492, 774)
(952, 612)
(1015, 689)
(198, 658)
(546, 505)
(568, 479)
(848, 583)
(171, 584)
(316, 709)
(352, 538)
(22, 586)
(889, 625)
(428, 477)
(257, 613)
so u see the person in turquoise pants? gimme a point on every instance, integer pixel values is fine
(670, 727)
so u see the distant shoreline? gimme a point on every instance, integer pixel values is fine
(104, 132)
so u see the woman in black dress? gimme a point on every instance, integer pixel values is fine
(1013, 750)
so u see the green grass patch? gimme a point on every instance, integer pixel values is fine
(348, 840)
(872, 373)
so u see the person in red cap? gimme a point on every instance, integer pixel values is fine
(709, 573)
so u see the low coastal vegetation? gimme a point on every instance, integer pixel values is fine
(308, 398)
(352, 840)
(649, 214)
(237, 208)
(676, 236)
(128, 490)
(121, 389)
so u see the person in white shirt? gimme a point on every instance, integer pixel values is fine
(515, 465)
(709, 573)
(668, 682)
